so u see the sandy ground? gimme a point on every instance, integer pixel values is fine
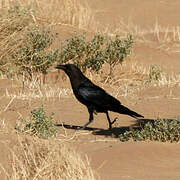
(110, 158)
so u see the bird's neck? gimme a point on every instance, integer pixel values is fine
(76, 79)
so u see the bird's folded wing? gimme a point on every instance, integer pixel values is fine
(97, 96)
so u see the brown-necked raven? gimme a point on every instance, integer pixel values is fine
(93, 97)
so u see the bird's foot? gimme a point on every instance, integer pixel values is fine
(110, 125)
(114, 120)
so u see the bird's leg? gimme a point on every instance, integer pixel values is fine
(109, 121)
(90, 118)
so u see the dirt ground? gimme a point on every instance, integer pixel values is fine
(110, 158)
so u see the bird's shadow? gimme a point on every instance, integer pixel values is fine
(114, 132)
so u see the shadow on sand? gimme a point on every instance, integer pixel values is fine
(114, 132)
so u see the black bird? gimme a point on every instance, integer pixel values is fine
(93, 97)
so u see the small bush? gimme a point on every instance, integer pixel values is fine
(94, 53)
(32, 55)
(85, 54)
(39, 124)
(159, 130)
(25, 45)
(155, 74)
(117, 49)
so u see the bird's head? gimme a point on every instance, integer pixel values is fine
(67, 68)
(74, 74)
(70, 69)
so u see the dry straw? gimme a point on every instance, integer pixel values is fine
(36, 159)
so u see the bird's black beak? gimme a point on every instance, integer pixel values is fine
(61, 67)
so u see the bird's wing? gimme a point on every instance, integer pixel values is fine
(95, 95)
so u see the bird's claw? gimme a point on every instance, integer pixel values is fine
(110, 125)
(114, 120)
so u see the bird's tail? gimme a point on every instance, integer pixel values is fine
(124, 110)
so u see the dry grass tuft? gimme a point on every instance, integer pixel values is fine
(60, 12)
(36, 159)
(135, 77)
(13, 23)
(66, 12)
(45, 92)
(163, 38)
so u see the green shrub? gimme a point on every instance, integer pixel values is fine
(94, 53)
(25, 45)
(33, 55)
(155, 74)
(158, 130)
(85, 54)
(117, 49)
(39, 124)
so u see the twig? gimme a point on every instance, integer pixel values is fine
(9, 103)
